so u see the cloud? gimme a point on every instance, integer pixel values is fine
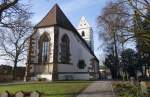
(76, 5)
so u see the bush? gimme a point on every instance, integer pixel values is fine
(127, 90)
(41, 79)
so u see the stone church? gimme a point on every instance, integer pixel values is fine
(59, 51)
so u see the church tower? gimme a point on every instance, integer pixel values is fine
(85, 30)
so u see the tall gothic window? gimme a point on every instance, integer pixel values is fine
(65, 50)
(44, 48)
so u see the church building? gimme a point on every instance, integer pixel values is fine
(59, 51)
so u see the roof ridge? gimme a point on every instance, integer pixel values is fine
(51, 10)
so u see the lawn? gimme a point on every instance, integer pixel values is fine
(51, 89)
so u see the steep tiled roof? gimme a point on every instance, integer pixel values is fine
(55, 17)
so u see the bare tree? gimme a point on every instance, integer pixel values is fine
(136, 8)
(112, 19)
(140, 6)
(131, 24)
(127, 29)
(9, 9)
(13, 39)
(5, 5)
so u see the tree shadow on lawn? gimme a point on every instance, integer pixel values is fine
(74, 81)
(42, 82)
(75, 94)
(60, 94)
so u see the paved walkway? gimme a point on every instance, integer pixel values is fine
(98, 89)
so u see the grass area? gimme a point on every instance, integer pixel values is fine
(51, 89)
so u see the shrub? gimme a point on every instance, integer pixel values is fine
(41, 79)
(127, 90)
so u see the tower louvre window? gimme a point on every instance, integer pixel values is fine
(83, 33)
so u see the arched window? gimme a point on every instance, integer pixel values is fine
(44, 48)
(65, 49)
(83, 33)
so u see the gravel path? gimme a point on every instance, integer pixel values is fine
(98, 89)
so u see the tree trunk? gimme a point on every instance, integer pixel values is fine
(15, 66)
(145, 72)
(116, 55)
(14, 70)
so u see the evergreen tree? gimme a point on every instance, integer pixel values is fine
(129, 63)
(142, 33)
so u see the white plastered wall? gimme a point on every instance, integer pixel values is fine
(78, 52)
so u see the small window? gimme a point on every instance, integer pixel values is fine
(83, 33)
(81, 64)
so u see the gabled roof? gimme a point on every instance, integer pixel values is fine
(55, 17)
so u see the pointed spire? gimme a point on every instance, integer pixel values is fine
(55, 17)
(83, 23)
